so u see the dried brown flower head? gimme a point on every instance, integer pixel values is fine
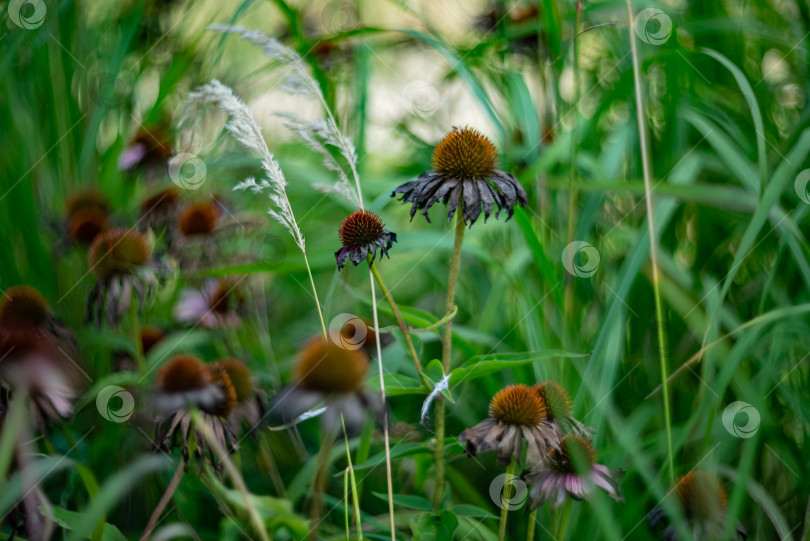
(23, 306)
(361, 233)
(199, 218)
(517, 405)
(118, 251)
(325, 367)
(222, 408)
(183, 373)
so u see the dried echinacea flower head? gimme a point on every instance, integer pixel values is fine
(120, 260)
(361, 234)
(465, 174)
(516, 414)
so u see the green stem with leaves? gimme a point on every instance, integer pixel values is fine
(402, 326)
(646, 165)
(447, 350)
(506, 495)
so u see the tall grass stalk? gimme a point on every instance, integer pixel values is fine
(447, 351)
(646, 166)
(349, 475)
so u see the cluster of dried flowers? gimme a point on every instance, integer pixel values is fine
(560, 458)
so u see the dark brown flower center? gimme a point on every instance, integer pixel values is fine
(150, 336)
(360, 228)
(555, 398)
(23, 306)
(119, 250)
(199, 219)
(220, 378)
(326, 367)
(183, 373)
(701, 495)
(517, 405)
(86, 223)
(465, 154)
(575, 455)
(240, 377)
(162, 200)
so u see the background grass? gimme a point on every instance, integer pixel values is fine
(727, 108)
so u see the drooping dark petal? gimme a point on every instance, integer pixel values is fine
(417, 192)
(472, 202)
(341, 256)
(487, 199)
(442, 192)
(358, 254)
(452, 204)
(508, 193)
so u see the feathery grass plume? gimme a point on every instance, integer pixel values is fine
(317, 134)
(247, 132)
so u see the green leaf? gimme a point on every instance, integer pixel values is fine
(483, 365)
(434, 527)
(276, 513)
(409, 501)
(398, 385)
(468, 510)
(70, 519)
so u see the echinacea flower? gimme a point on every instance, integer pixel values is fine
(361, 233)
(159, 210)
(199, 218)
(185, 383)
(148, 152)
(250, 404)
(703, 502)
(119, 258)
(215, 305)
(571, 472)
(558, 408)
(465, 174)
(325, 373)
(516, 413)
(87, 215)
(35, 356)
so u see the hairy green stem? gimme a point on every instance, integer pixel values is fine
(447, 350)
(506, 495)
(646, 166)
(402, 326)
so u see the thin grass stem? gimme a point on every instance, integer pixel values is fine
(646, 165)
(506, 495)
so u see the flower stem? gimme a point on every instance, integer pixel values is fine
(532, 521)
(233, 473)
(386, 440)
(404, 328)
(646, 166)
(562, 522)
(506, 495)
(447, 350)
(165, 499)
(135, 329)
(319, 484)
(315, 294)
